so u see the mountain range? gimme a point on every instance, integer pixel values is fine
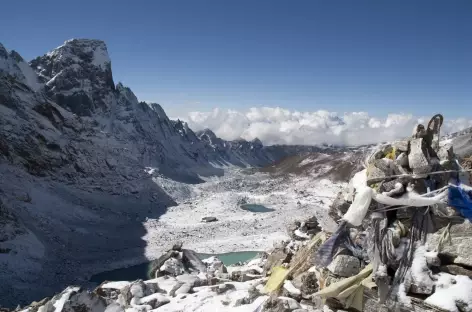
(76, 153)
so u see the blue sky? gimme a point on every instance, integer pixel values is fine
(375, 56)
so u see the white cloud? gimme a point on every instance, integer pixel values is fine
(282, 126)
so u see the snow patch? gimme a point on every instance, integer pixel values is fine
(115, 285)
(100, 57)
(59, 304)
(450, 290)
(30, 76)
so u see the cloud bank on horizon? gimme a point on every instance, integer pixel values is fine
(282, 126)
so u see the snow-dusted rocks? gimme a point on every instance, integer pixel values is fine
(345, 266)
(458, 248)
(72, 299)
(215, 266)
(173, 266)
(187, 292)
(281, 304)
(155, 300)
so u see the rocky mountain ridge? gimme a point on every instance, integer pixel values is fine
(76, 151)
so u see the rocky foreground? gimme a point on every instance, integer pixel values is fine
(182, 282)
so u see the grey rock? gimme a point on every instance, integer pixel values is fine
(177, 246)
(173, 267)
(402, 160)
(253, 294)
(459, 247)
(222, 288)
(446, 153)
(339, 207)
(455, 270)
(114, 307)
(422, 288)
(184, 289)
(191, 258)
(417, 159)
(245, 276)
(190, 279)
(276, 257)
(158, 263)
(401, 146)
(84, 301)
(176, 287)
(209, 219)
(306, 282)
(280, 304)
(345, 266)
(289, 290)
(155, 300)
(375, 173)
(137, 289)
(372, 305)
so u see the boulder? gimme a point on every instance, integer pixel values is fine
(401, 146)
(137, 289)
(191, 259)
(306, 282)
(222, 288)
(345, 266)
(455, 270)
(156, 264)
(176, 287)
(155, 300)
(184, 289)
(84, 301)
(114, 307)
(245, 276)
(339, 207)
(177, 246)
(173, 267)
(291, 291)
(280, 304)
(209, 219)
(417, 160)
(276, 257)
(312, 223)
(214, 265)
(459, 247)
(190, 279)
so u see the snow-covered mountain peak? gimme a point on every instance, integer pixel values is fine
(82, 50)
(78, 76)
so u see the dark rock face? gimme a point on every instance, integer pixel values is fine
(78, 76)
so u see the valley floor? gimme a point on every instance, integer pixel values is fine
(292, 198)
(74, 234)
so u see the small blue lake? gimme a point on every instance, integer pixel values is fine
(256, 208)
(140, 271)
